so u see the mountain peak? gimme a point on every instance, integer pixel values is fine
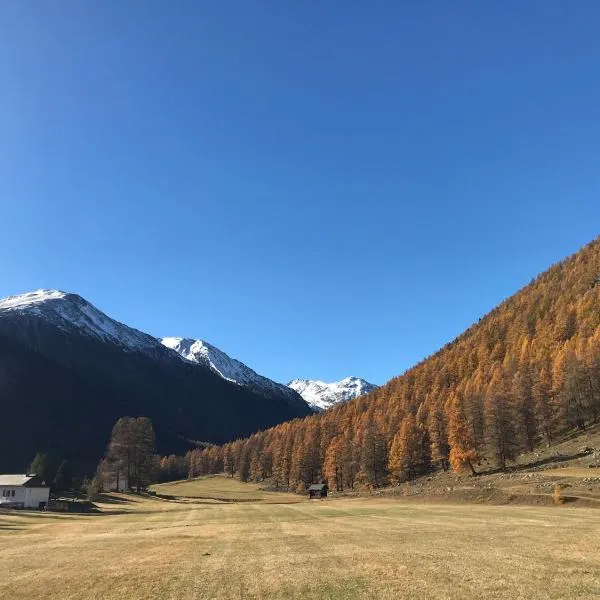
(31, 298)
(321, 395)
(70, 312)
(353, 380)
(201, 352)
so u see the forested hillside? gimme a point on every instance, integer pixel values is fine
(526, 372)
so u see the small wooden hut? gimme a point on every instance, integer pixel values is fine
(317, 490)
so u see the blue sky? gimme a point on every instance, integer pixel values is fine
(320, 190)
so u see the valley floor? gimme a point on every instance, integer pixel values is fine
(337, 548)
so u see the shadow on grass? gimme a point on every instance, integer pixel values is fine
(106, 499)
(35, 514)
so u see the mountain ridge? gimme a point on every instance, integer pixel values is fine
(201, 352)
(67, 309)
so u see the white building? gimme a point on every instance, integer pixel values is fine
(23, 491)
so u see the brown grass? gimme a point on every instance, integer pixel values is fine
(579, 472)
(345, 548)
(222, 488)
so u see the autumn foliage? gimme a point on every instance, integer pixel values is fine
(525, 373)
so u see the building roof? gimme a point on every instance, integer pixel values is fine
(22, 481)
(317, 487)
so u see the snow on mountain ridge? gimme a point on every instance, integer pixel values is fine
(31, 298)
(68, 311)
(321, 395)
(201, 352)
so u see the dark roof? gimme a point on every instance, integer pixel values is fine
(317, 487)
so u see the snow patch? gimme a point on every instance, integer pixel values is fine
(31, 298)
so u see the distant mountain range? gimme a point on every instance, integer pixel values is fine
(68, 372)
(321, 395)
(317, 394)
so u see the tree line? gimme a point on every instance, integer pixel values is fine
(523, 375)
(130, 462)
(60, 479)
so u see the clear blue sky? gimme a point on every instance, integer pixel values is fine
(319, 189)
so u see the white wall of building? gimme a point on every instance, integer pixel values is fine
(29, 497)
(19, 496)
(35, 495)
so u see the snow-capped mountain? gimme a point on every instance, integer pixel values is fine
(317, 394)
(203, 353)
(68, 372)
(321, 395)
(70, 311)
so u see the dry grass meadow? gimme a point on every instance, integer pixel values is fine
(223, 489)
(336, 548)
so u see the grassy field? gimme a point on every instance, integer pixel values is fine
(344, 548)
(219, 487)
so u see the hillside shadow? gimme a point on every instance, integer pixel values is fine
(559, 458)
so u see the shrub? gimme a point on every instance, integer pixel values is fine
(300, 488)
(93, 490)
(557, 495)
